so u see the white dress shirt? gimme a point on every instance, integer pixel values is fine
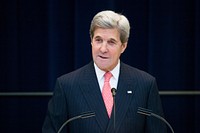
(113, 80)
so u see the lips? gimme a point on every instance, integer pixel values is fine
(103, 57)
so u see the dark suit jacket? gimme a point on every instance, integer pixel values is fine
(79, 92)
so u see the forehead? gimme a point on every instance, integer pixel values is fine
(107, 33)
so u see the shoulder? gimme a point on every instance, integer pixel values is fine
(78, 73)
(134, 72)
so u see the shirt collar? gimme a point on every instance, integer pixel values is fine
(100, 73)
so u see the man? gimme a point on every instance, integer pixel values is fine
(83, 90)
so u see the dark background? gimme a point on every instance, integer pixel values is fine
(43, 39)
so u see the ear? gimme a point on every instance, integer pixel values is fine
(124, 45)
(91, 40)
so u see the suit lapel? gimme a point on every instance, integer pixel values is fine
(125, 92)
(92, 93)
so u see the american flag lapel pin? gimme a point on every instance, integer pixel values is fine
(129, 92)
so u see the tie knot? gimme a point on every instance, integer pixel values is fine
(107, 76)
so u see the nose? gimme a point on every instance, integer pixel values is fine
(103, 47)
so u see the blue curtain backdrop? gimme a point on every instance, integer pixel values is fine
(43, 39)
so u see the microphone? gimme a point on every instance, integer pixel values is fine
(82, 116)
(148, 112)
(113, 90)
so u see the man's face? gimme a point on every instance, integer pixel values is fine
(106, 48)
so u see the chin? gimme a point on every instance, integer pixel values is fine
(102, 67)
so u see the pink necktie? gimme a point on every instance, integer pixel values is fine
(106, 93)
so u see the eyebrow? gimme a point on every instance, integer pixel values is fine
(97, 37)
(110, 39)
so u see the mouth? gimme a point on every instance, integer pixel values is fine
(103, 57)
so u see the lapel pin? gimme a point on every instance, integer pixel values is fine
(129, 92)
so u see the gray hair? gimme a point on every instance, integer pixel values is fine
(110, 20)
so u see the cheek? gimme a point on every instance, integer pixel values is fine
(94, 49)
(119, 52)
(116, 55)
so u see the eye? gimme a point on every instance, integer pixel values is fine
(98, 40)
(112, 42)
